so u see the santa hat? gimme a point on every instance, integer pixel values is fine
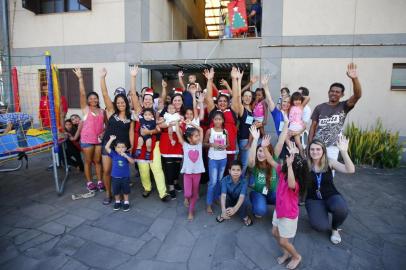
(215, 92)
(177, 91)
(149, 91)
(224, 92)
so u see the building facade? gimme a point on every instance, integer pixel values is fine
(303, 43)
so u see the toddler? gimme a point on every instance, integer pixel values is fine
(147, 121)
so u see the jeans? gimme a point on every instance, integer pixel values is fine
(21, 131)
(260, 202)
(216, 172)
(243, 210)
(318, 210)
(243, 155)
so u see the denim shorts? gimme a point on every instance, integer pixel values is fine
(86, 145)
(120, 185)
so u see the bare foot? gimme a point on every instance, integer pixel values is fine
(282, 259)
(186, 203)
(190, 216)
(294, 262)
(209, 210)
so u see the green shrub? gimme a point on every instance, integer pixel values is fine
(374, 146)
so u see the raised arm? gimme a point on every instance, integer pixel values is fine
(180, 77)
(253, 80)
(108, 144)
(199, 112)
(348, 166)
(82, 90)
(133, 90)
(209, 97)
(106, 97)
(164, 92)
(268, 97)
(226, 85)
(352, 74)
(291, 175)
(236, 77)
(282, 136)
(179, 134)
(266, 141)
(253, 149)
(201, 133)
(305, 101)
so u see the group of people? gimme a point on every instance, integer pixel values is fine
(220, 134)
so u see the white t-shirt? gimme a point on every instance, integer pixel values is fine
(307, 114)
(170, 118)
(195, 121)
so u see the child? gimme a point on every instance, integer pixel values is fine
(147, 121)
(234, 195)
(197, 113)
(259, 113)
(193, 165)
(189, 91)
(296, 124)
(217, 140)
(72, 146)
(285, 217)
(285, 92)
(120, 173)
(171, 116)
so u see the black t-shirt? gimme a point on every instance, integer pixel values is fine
(327, 187)
(246, 121)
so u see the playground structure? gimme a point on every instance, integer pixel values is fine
(25, 98)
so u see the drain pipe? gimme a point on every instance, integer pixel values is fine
(6, 38)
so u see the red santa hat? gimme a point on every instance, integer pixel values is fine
(149, 91)
(177, 91)
(224, 92)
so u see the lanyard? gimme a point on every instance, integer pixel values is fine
(319, 177)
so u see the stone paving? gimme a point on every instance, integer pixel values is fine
(39, 230)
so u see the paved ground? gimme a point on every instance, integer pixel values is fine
(39, 230)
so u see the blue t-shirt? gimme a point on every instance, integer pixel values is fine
(233, 190)
(187, 99)
(277, 116)
(120, 165)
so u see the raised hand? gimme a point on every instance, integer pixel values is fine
(211, 74)
(78, 72)
(240, 74)
(266, 140)
(180, 74)
(342, 143)
(352, 71)
(265, 79)
(103, 72)
(289, 159)
(133, 71)
(164, 84)
(292, 149)
(200, 97)
(254, 132)
(224, 83)
(254, 79)
(234, 73)
(112, 137)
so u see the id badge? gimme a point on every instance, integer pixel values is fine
(249, 120)
(265, 191)
(318, 194)
(281, 124)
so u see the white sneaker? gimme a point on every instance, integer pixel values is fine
(335, 237)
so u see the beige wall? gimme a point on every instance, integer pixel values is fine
(375, 77)
(331, 17)
(103, 24)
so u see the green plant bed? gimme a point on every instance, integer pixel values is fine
(374, 146)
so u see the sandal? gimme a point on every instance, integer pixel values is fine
(146, 193)
(220, 219)
(335, 237)
(248, 221)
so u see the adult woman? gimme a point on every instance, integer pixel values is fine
(145, 166)
(91, 133)
(119, 124)
(322, 195)
(171, 153)
(264, 177)
(223, 101)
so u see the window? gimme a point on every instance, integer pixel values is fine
(56, 6)
(398, 81)
(69, 84)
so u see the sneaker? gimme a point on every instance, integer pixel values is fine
(107, 201)
(137, 153)
(335, 237)
(146, 194)
(178, 188)
(100, 186)
(166, 198)
(172, 193)
(117, 206)
(126, 207)
(91, 186)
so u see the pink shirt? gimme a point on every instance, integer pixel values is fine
(295, 115)
(259, 110)
(287, 199)
(93, 126)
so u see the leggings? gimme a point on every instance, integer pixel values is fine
(171, 169)
(318, 210)
(191, 184)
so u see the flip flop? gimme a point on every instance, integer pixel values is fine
(219, 219)
(248, 222)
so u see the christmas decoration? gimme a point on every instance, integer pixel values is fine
(237, 16)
